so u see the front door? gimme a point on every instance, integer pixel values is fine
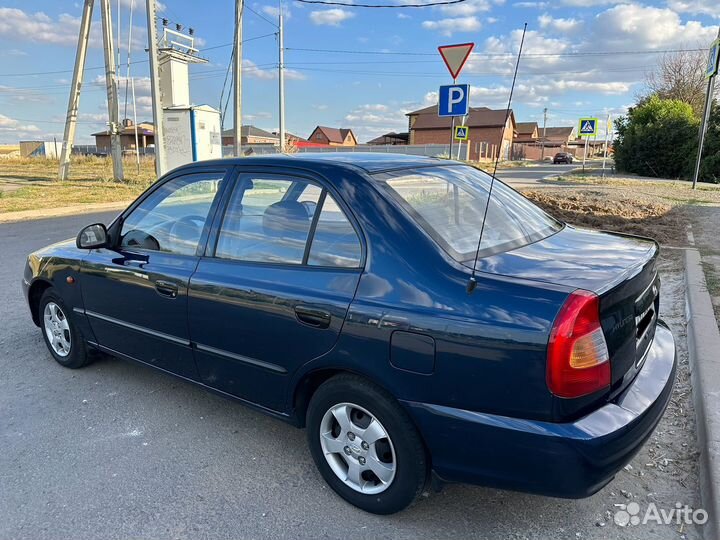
(274, 289)
(135, 294)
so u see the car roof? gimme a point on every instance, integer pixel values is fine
(368, 161)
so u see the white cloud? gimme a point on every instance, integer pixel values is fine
(274, 12)
(635, 26)
(467, 8)
(38, 27)
(250, 69)
(697, 7)
(12, 129)
(547, 21)
(402, 15)
(531, 5)
(330, 17)
(448, 27)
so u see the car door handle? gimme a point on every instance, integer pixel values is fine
(318, 318)
(166, 288)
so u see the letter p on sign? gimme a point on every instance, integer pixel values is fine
(453, 100)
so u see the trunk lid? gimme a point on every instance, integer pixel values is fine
(620, 269)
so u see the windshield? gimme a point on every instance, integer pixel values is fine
(448, 202)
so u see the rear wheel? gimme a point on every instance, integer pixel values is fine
(365, 445)
(62, 337)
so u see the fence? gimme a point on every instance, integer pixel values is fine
(431, 150)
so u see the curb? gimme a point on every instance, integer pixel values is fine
(25, 215)
(704, 353)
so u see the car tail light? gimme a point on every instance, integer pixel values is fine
(578, 360)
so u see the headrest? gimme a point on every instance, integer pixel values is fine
(286, 217)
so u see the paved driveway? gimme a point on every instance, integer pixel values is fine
(117, 450)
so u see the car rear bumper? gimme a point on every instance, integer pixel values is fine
(570, 460)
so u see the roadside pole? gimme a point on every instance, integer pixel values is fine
(237, 74)
(281, 80)
(74, 100)
(711, 73)
(452, 131)
(112, 92)
(585, 153)
(542, 144)
(155, 88)
(607, 132)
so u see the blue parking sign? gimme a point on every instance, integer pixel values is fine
(454, 100)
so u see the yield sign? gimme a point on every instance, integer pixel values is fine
(455, 56)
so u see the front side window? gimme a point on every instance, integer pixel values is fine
(448, 202)
(172, 218)
(282, 221)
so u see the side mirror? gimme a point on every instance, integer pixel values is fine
(92, 237)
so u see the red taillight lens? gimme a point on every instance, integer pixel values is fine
(578, 361)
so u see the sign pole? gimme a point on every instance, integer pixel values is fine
(712, 72)
(452, 129)
(585, 152)
(607, 132)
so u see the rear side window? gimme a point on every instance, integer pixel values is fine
(286, 222)
(449, 203)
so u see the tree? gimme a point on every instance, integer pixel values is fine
(658, 137)
(681, 76)
(710, 166)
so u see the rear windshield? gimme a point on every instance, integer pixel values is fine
(448, 202)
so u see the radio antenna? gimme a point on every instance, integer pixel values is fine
(472, 283)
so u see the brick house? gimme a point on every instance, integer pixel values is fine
(526, 132)
(250, 135)
(490, 133)
(333, 136)
(390, 138)
(145, 132)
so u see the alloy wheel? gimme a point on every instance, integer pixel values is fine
(358, 448)
(57, 329)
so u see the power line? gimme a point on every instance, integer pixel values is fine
(263, 17)
(58, 72)
(501, 55)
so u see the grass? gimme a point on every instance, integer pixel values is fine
(82, 168)
(30, 183)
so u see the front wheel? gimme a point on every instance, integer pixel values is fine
(62, 337)
(365, 445)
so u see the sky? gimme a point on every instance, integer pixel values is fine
(353, 67)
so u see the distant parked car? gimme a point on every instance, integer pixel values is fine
(562, 157)
(333, 291)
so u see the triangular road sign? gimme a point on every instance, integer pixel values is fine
(587, 127)
(455, 56)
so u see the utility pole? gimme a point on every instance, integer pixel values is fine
(74, 100)
(237, 76)
(705, 120)
(112, 94)
(281, 79)
(607, 133)
(542, 144)
(155, 87)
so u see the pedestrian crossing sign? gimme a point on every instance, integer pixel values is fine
(461, 133)
(588, 127)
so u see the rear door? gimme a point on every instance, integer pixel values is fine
(273, 290)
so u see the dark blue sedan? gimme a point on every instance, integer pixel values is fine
(331, 291)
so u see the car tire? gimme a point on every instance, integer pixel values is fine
(399, 456)
(62, 336)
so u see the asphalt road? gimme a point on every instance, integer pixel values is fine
(524, 176)
(117, 450)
